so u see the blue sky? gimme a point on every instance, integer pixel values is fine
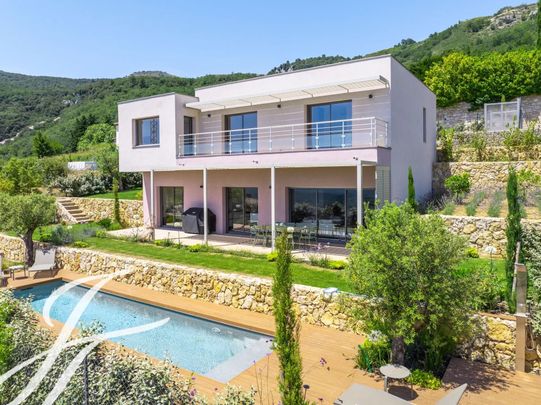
(97, 38)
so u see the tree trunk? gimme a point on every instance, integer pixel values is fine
(398, 350)
(29, 245)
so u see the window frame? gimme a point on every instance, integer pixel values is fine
(136, 125)
(228, 130)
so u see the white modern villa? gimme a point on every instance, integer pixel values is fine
(309, 147)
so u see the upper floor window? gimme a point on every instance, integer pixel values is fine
(189, 141)
(330, 125)
(147, 131)
(242, 133)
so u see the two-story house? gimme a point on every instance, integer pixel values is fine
(307, 147)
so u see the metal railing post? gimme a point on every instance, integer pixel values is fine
(195, 145)
(343, 135)
(317, 136)
(270, 139)
(212, 143)
(292, 138)
(230, 142)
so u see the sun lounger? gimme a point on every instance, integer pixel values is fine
(44, 261)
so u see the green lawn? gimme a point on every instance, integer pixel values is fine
(256, 266)
(134, 194)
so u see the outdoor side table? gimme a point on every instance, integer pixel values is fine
(13, 269)
(395, 372)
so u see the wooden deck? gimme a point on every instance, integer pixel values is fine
(328, 358)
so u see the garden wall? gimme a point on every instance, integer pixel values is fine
(484, 231)
(484, 175)
(131, 211)
(460, 114)
(494, 342)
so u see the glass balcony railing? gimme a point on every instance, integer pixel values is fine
(341, 134)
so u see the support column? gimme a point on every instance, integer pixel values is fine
(360, 193)
(152, 202)
(205, 208)
(273, 206)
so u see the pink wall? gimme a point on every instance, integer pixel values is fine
(218, 180)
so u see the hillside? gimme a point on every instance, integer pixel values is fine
(53, 105)
(509, 29)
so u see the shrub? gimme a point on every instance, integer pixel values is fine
(80, 244)
(472, 252)
(88, 183)
(495, 206)
(424, 379)
(513, 232)
(319, 260)
(101, 234)
(479, 143)
(337, 264)
(198, 248)
(458, 185)
(446, 137)
(165, 242)
(271, 257)
(105, 223)
(477, 199)
(374, 352)
(532, 253)
(449, 207)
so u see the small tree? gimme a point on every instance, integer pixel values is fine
(42, 146)
(458, 185)
(286, 342)
(412, 201)
(23, 214)
(20, 176)
(96, 134)
(513, 232)
(116, 212)
(405, 264)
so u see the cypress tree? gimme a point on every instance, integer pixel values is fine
(513, 232)
(117, 202)
(411, 190)
(286, 342)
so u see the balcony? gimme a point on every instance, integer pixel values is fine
(342, 134)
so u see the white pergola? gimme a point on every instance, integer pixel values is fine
(329, 89)
(359, 186)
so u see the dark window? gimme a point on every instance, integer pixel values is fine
(147, 131)
(332, 211)
(189, 146)
(172, 206)
(323, 134)
(242, 208)
(424, 125)
(242, 133)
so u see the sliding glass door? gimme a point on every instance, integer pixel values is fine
(332, 211)
(323, 134)
(242, 135)
(242, 208)
(172, 206)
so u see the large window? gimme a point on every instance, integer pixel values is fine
(242, 208)
(147, 131)
(323, 134)
(189, 147)
(332, 210)
(172, 206)
(242, 135)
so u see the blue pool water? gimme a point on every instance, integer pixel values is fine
(213, 349)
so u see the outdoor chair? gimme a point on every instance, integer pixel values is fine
(453, 397)
(307, 236)
(43, 261)
(3, 276)
(254, 234)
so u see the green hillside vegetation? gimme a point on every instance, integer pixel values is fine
(69, 106)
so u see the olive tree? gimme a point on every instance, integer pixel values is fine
(405, 264)
(23, 214)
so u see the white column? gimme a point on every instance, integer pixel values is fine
(359, 193)
(152, 202)
(205, 206)
(273, 206)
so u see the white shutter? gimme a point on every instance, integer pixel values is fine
(383, 185)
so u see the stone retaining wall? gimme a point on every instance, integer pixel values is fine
(493, 344)
(131, 211)
(484, 231)
(484, 175)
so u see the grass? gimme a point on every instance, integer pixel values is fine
(253, 265)
(449, 208)
(495, 207)
(477, 199)
(134, 194)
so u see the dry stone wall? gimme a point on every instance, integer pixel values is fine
(484, 231)
(487, 176)
(131, 211)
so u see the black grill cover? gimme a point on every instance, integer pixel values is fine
(192, 220)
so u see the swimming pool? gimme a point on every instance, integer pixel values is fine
(209, 348)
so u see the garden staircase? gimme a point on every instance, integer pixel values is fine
(72, 211)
